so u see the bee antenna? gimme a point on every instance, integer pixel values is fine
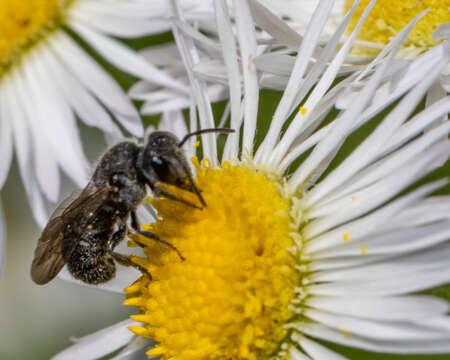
(204, 131)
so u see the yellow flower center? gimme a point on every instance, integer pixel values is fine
(23, 23)
(389, 17)
(230, 298)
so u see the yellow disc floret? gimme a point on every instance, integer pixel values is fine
(23, 23)
(389, 17)
(230, 298)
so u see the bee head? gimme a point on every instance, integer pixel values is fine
(162, 160)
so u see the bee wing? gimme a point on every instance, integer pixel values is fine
(48, 258)
(66, 204)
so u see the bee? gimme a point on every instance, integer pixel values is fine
(85, 229)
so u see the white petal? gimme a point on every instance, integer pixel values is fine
(129, 9)
(369, 198)
(6, 143)
(387, 331)
(326, 79)
(230, 58)
(344, 123)
(367, 224)
(386, 166)
(193, 122)
(126, 59)
(372, 145)
(431, 259)
(119, 26)
(20, 131)
(273, 82)
(289, 95)
(419, 122)
(140, 89)
(392, 243)
(61, 134)
(125, 276)
(45, 164)
(173, 121)
(225, 115)
(22, 141)
(100, 343)
(412, 281)
(164, 55)
(135, 350)
(2, 241)
(308, 139)
(146, 215)
(342, 262)
(402, 347)
(424, 212)
(273, 25)
(166, 106)
(202, 40)
(442, 32)
(277, 64)
(317, 351)
(97, 80)
(79, 98)
(247, 46)
(297, 355)
(382, 308)
(190, 58)
(415, 71)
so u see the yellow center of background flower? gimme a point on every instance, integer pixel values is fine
(389, 17)
(229, 299)
(23, 22)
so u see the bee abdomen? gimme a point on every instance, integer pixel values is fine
(95, 271)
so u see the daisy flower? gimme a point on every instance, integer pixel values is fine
(47, 80)
(385, 21)
(295, 246)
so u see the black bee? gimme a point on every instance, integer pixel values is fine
(85, 229)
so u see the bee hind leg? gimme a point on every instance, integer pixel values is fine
(125, 260)
(137, 228)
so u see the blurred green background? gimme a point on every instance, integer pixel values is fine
(37, 322)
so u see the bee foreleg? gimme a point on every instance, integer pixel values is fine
(157, 191)
(125, 260)
(180, 164)
(135, 225)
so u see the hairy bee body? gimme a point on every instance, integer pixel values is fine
(85, 229)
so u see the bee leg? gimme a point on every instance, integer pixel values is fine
(137, 228)
(118, 236)
(125, 260)
(179, 163)
(157, 191)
